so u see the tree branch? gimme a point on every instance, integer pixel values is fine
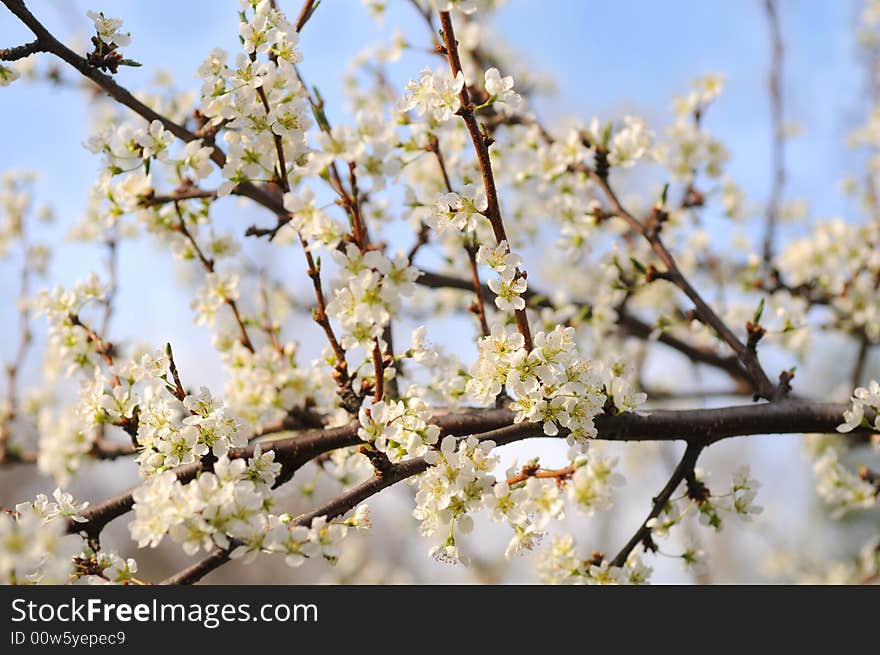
(628, 322)
(685, 467)
(20, 51)
(700, 428)
(481, 146)
(48, 43)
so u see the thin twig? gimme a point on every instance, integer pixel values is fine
(776, 112)
(493, 211)
(685, 467)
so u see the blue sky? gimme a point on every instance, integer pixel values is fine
(605, 56)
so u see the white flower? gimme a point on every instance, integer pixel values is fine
(8, 75)
(421, 350)
(499, 259)
(501, 93)
(108, 29)
(219, 288)
(458, 482)
(464, 6)
(863, 396)
(154, 141)
(840, 487)
(630, 143)
(592, 483)
(508, 293)
(434, 94)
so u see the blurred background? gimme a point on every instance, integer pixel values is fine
(598, 58)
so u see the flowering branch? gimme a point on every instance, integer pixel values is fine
(628, 322)
(650, 230)
(699, 428)
(684, 470)
(481, 146)
(364, 418)
(50, 44)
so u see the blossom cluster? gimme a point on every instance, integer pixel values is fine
(399, 429)
(258, 131)
(458, 483)
(710, 507)
(839, 262)
(69, 340)
(174, 432)
(552, 384)
(230, 507)
(561, 564)
(35, 547)
(257, 100)
(368, 293)
(838, 483)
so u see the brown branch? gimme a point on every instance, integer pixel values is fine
(102, 450)
(481, 146)
(48, 43)
(194, 573)
(188, 193)
(208, 265)
(643, 534)
(534, 471)
(762, 385)
(379, 367)
(343, 379)
(179, 391)
(778, 157)
(103, 348)
(628, 322)
(471, 248)
(305, 14)
(861, 361)
(699, 428)
(478, 289)
(20, 51)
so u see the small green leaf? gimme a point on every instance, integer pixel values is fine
(606, 133)
(758, 312)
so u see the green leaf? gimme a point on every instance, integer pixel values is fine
(758, 312)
